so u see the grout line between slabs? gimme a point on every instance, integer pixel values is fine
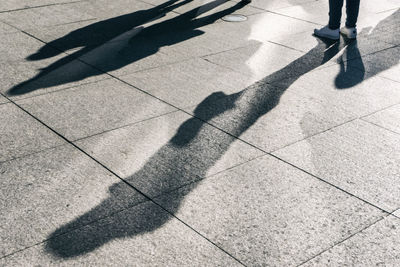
(34, 7)
(380, 126)
(344, 240)
(123, 180)
(129, 185)
(150, 199)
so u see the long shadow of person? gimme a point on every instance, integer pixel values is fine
(194, 149)
(114, 43)
(353, 70)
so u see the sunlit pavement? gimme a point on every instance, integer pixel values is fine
(159, 133)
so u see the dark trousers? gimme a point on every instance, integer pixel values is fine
(335, 13)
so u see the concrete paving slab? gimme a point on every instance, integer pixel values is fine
(93, 108)
(10, 5)
(18, 46)
(388, 118)
(397, 213)
(44, 191)
(4, 28)
(384, 63)
(358, 157)
(103, 9)
(127, 56)
(269, 118)
(345, 88)
(164, 153)
(268, 213)
(3, 100)
(207, 7)
(50, 15)
(189, 82)
(22, 79)
(144, 235)
(274, 5)
(377, 245)
(20, 134)
(270, 27)
(364, 45)
(256, 60)
(317, 11)
(104, 28)
(199, 37)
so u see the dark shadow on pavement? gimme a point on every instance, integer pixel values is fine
(117, 42)
(352, 68)
(194, 149)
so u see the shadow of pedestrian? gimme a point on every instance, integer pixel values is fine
(194, 149)
(114, 43)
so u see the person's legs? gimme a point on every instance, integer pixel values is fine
(335, 13)
(352, 7)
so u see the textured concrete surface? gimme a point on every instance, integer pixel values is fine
(156, 133)
(293, 215)
(358, 157)
(43, 191)
(388, 118)
(170, 163)
(377, 245)
(21, 135)
(82, 111)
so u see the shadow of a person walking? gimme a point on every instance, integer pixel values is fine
(171, 166)
(114, 43)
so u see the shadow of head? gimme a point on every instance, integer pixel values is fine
(141, 219)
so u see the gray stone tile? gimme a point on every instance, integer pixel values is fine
(3, 100)
(47, 190)
(209, 7)
(274, 5)
(358, 157)
(378, 245)
(20, 134)
(4, 28)
(388, 118)
(347, 88)
(256, 60)
(397, 213)
(127, 56)
(25, 4)
(93, 108)
(45, 16)
(267, 212)
(111, 23)
(317, 11)
(346, 50)
(188, 83)
(141, 236)
(370, 6)
(22, 79)
(103, 9)
(384, 63)
(269, 118)
(164, 153)
(201, 40)
(18, 46)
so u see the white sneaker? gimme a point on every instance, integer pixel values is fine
(350, 33)
(327, 33)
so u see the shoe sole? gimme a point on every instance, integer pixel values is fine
(327, 36)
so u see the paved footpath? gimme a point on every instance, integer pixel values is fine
(156, 133)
